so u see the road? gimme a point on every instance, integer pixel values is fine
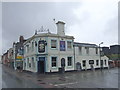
(83, 79)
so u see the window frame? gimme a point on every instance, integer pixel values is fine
(53, 62)
(69, 64)
(84, 64)
(56, 43)
(69, 42)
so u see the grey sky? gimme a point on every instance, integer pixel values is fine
(88, 22)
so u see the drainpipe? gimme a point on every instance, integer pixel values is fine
(74, 56)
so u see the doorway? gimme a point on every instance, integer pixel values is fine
(41, 66)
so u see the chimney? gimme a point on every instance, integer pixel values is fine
(60, 28)
(21, 39)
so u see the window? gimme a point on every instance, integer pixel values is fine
(53, 43)
(84, 63)
(105, 62)
(54, 61)
(27, 62)
(69, 61)
(96, 50)
(87, 50)
(69, 44)
(33, 64)
(80, 50)
(27, 46)
(97, 62)
(32, 46)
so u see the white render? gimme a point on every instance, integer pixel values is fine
(32, 56)
(79, 57)
(49, 52)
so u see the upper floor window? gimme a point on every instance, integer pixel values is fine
(80, 50)
(96, 50)
(53, 43)
(27, 46)
(32, 46)
(69, 61)
(87, 50)
(69, 44)
(54, 61)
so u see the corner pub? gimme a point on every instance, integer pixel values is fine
(48, 52)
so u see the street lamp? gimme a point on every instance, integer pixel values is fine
(100, 55)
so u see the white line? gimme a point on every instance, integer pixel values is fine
(65, 84)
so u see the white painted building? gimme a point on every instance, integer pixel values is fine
(47, 52)
(87, 56)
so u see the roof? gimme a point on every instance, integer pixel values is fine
(47, 35)
(85, 44)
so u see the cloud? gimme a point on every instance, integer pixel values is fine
(87, 21)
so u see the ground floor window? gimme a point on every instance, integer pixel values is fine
(69, 61)
(54, 62)
(105, 62)
(84, 63)
(97, 62)
(27, 62)
(33, 63)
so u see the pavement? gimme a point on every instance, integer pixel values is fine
(82, 79)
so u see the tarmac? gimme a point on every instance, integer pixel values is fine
(81, 79)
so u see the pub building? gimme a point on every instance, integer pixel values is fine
(48, 52)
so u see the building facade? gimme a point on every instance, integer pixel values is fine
(18, 52)
(49, 52)
(87, 56)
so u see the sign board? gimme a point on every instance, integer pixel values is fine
(91, 61)
(62, 45)
(41, 46)
(19, 57)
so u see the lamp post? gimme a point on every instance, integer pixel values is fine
(100, 56)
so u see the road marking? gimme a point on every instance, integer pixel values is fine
(65, 84)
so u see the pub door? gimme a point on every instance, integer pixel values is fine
(41, 66)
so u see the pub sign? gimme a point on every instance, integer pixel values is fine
(41, 46)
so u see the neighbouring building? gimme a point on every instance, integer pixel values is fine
(87, 56)
(10, 58)
(106, 50)
(18, 52)
(47, 52)
(5, 58)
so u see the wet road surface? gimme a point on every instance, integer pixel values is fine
(83, 79)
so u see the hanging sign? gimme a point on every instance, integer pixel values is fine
(41, 46)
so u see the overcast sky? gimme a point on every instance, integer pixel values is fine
(89, 21)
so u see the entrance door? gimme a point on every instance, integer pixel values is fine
(62, 62)
(41, 65)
